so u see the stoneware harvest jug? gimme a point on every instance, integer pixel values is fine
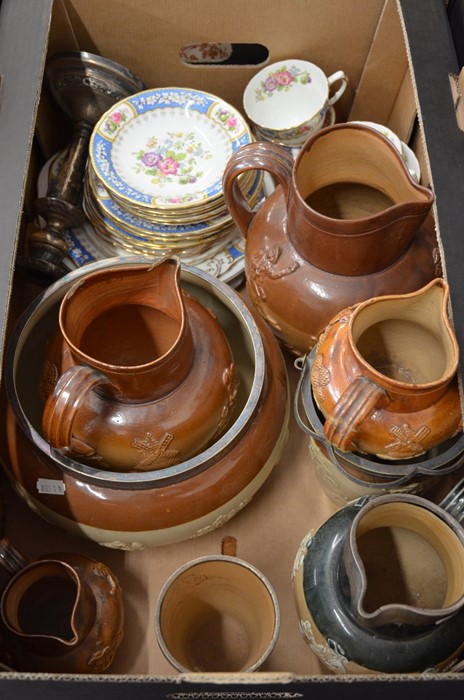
(345, 476)
(385, 375)
(345, 223)
(139, 375)
(61, 612)
(379, 586)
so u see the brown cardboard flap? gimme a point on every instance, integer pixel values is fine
(457, 91)
(53, 134)
(385, 93)
(147, 37)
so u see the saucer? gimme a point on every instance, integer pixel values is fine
(407, 153)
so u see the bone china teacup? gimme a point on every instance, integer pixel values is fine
(289, 99)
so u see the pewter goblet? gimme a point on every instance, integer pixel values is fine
(84, 86)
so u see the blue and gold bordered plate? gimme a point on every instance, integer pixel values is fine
(166, 147)
(226, 262)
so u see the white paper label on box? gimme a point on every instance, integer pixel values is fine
(54, 487)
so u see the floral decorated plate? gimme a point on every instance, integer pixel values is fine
(227, 264)
(226, 261)
(166, 147)
(111, 210)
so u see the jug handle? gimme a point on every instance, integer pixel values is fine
(63, 405)
(353, 406)
(260, 155)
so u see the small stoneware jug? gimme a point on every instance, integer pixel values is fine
(345, 223)
(62, 613)
(385, 375)
(379, 587)
(345, 476)
(139, 376)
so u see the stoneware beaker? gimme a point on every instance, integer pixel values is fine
(345, 223)
(217, 613)
(385, 375)
(139, 376)
(379, 587)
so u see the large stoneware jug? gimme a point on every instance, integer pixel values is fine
(139, 375)
(346, 222)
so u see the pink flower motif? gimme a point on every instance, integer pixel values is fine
(116, 117)
(270, 83)
(283, 77)
(232, 121)
(168, 166)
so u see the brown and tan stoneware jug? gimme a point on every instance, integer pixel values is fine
(385, 375)
(346, 222)
(62, 613)
(132, 510)
(139, 375)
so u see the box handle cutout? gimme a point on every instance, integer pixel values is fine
(221, 53)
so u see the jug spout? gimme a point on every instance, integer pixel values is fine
(130, 324)
(63, 613)
(385, 375)
(404, 558)
(356, 207)
(418, 318)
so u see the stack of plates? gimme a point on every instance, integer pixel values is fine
(153, 184)
(84, 246)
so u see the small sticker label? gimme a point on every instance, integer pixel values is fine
(53, 487)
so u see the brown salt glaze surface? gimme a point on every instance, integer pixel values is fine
(118, 374)
(384, 375)
(178, 501)
(346, 222)
(129, 335)
(348, 200)
(142, 573)
(47, 606)
(63, 613)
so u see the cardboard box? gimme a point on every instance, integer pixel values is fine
(399, 57)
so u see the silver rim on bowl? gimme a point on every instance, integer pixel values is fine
(51, 298)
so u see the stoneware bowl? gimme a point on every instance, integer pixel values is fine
(131, 510)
